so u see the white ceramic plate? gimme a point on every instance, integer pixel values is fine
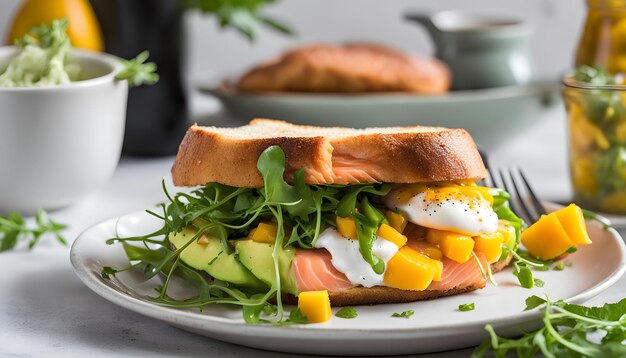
(435, 326)
(492, 115)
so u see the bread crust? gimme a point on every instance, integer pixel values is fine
(357, 67)
(381, 295)
(205, 157)
(409, 155)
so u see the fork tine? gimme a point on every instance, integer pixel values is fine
(515, 198)
(529, 213)
(539, 208)
(488, 181)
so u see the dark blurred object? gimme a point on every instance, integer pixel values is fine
(157, 115)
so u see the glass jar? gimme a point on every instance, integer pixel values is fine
(603, 40)
(597, 144)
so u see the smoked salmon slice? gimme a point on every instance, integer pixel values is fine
(313, 271)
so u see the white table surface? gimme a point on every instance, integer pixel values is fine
(46, 311)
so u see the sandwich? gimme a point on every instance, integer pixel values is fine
(363, 216)
(349, 68)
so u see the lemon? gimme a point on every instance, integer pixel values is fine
(84, 30)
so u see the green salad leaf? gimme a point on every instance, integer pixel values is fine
(566, 332)
(405, 314)
(347, 313)
(13, 229)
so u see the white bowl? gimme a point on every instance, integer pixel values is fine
(58, 143)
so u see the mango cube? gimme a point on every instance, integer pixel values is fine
(546, 239)
(457, 247)
(410, 270)
(490, 245)
(390, 234)
(573, 221)
(438, 269)
(509, 237)
(265, 233)
(396, 220)
(346, 227)
(433, 252)
(315, 305)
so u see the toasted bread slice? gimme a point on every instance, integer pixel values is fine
(380, 294)
(350, 68)
(328, 155)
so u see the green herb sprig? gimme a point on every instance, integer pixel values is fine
(244, 15)
(405, 314)
(465, 307)
(13, 229)
(565, 332)
(347, 313)
(138, 72)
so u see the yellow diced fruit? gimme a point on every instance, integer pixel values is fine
(434, 236)
(396, 220)
(573, 221)
(410, 270)
(264, 233)
(390, 234)
(438, 269)
(315, 305)
(454, 246)
(546, 239)
(346, 227)
(490, 245)
(507, 231)
(433, 252)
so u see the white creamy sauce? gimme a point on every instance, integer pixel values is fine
(347, 258)
(466, 218)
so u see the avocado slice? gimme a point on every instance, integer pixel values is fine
(214, 259)
(257, 257)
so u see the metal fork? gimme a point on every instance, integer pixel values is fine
(524, 202)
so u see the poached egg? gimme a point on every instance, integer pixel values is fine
(463, 208)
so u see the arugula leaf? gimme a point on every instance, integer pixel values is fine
(137, 72)
(348, 202)
(13, 229)
(466, 307)
(296, 316)
(500, 197)
(565, 332)
(406, 314)
(347, 313)
(366, 232)
(271, 165)
(534, 301)
(525, 277)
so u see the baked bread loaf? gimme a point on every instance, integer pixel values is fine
(329, 155)
(350, 68)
